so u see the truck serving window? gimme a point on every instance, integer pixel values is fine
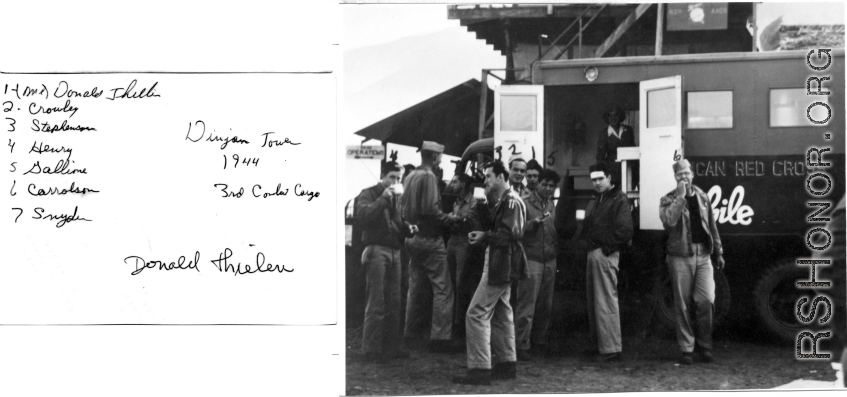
(709, 109)
(788, 108)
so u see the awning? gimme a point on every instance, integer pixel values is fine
(450, 118)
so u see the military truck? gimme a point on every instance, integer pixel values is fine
(745, 121)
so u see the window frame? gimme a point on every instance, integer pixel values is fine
(732, 109)
(809, 124)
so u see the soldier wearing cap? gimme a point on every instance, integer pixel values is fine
(607, 228)
(428, 271)
(693, 241)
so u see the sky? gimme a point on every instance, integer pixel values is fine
(396, 56)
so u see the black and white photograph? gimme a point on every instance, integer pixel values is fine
(593, 197)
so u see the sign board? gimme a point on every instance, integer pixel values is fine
(366, 152)
(697, 16)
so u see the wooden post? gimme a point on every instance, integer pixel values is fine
(510, 59)
(483, 100)
(580, 38)
(660, 28)
(755, 29)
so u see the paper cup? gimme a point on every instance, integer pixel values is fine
(397, 188)
(580, 215)
(479, 192)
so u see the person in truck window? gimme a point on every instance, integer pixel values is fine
(535, 294)
(428, 256)
(607, 229)
(615, 135)
(693, 241)
(377, 210)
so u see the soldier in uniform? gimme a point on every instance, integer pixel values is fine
(489, 322)
(428, 256)
(693, 240)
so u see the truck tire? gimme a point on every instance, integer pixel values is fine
(775, 299)
(664, 305)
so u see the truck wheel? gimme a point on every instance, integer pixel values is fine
(776, 297)
(663, 295)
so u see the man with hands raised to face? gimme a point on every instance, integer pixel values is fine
(693, 242)
(384, 230)
(489, 323)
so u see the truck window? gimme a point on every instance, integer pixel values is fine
(517, 113)
(709, 109)
(788, 108)
(658, 103)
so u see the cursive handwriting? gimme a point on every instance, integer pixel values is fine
(223, 265)
(61, 168)
(129, 93)
(274, 142)
(54, 190)
(277, 192)
(299, 191)
(213, 138)
(67, 92)
(36, 109)
(47, 127)
(41, 147)
(141, 264)
(63, 218)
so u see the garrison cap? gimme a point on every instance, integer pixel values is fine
(516, 157)
(681, 165)
(432, 146)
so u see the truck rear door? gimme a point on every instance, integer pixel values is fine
(660, 127)
(519, 122)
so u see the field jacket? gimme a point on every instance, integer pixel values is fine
(673, 211)
(608, 221)
(539, 240)
(380, 220)
(422, 203)
(505, 226)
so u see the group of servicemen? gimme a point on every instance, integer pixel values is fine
(515, 225)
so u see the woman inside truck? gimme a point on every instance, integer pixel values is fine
(615, 135)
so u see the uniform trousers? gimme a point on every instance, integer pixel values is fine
(489, 324)
(535, 304)
(429, 277)
(457, 257)
(382, 314)
(601, 274)
(692, 277)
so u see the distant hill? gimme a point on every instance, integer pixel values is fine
(804, 37)
(384, 79)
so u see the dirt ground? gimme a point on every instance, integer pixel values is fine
(649, 364)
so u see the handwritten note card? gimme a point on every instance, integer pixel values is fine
(160, 198)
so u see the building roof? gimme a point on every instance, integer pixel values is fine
(527, 23)
(450, 118)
